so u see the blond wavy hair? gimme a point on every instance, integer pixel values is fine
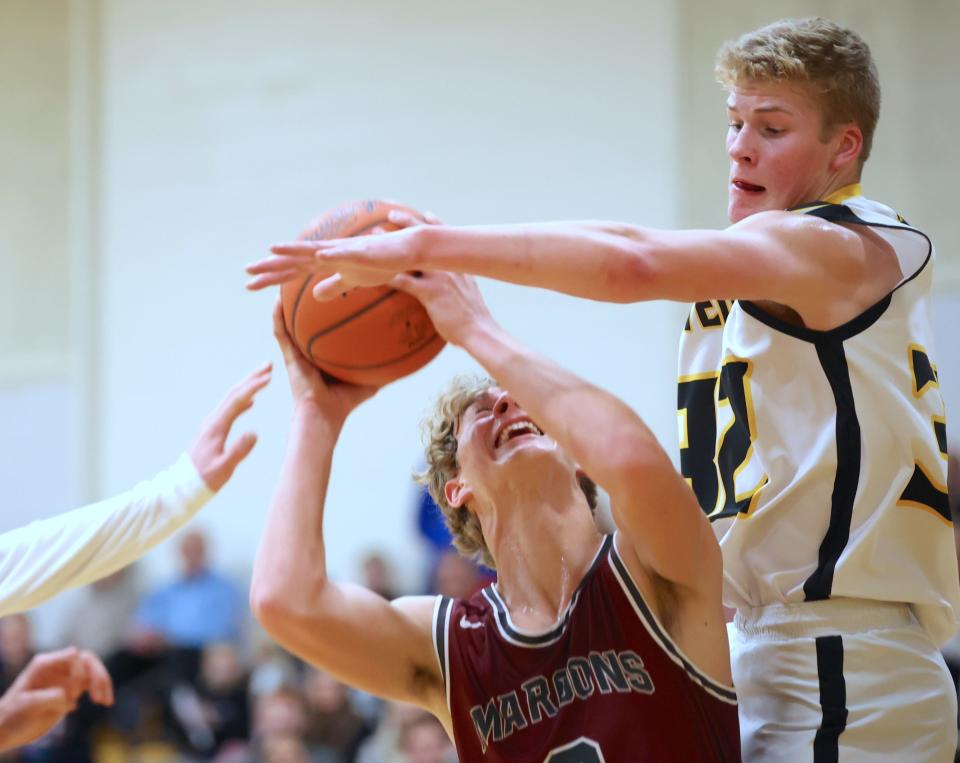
(834, 60)
(439, 429)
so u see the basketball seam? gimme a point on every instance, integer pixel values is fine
(383, 364)
(334, 326)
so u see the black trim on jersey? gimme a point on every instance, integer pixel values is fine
(833, 699)
(665, 640)
(541, 639)
(921, 491)
(845, 331)
(839, 213)
(440, 634)
(833, 359)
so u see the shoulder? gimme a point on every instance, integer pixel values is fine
(420, 611)
(813, 238)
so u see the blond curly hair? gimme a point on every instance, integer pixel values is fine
(440, 439)
(833, 59)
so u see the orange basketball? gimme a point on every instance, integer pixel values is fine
(370, 335)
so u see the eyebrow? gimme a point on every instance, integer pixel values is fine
(483, 397)
(480, 398)
(762, 109)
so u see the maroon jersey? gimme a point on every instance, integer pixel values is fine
(605, 684)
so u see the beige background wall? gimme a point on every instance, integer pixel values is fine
(34, 148)
(153, 149)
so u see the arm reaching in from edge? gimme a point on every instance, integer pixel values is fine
(46, 690)
(381, 647)
(41, 559)
(825, 272)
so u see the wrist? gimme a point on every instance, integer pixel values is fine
(474, 336)
(309, 412)
(424, 239)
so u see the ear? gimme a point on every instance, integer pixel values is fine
(849, 143)
(457, 492)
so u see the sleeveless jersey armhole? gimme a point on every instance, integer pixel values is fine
(913, 256)
(441, 640)
(659, 634)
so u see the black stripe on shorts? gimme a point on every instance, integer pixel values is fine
(833, 699)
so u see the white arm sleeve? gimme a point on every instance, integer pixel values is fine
(46, 557)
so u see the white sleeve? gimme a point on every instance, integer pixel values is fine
(46, 557)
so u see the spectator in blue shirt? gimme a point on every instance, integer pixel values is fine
(170, 629)
(199, 608)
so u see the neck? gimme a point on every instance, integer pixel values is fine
(838, 186)
(543, 549)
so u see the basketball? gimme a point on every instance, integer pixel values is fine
(369, 336)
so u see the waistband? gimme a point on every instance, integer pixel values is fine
(823, 618)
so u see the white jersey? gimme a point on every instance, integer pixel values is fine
(820, 456)
(42, 559)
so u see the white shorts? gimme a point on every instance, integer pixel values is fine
(841, 680)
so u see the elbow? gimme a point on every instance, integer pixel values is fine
(630, 272)
(636, 463)
(283, 610)
(276, 606)
(266, 604)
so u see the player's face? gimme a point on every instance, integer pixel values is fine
(495, 429)
(777, 156)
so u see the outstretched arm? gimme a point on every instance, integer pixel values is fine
(46, 557)
(791, 259)
(381, 647)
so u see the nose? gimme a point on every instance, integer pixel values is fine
(502, 403)
(740, 146)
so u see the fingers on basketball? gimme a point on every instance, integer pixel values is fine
(373, 334)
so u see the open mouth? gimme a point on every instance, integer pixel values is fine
(743, 185)
(515, 430)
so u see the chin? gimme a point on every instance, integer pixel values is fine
(738, 210)
(538, 448)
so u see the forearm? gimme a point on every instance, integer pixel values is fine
(596, 428)
(73, 549)
(595, 260)
(290, 564)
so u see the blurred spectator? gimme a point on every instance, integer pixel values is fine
(457, 576)
(273, 668)
(215, 713)
(16, 647)
(100, 616)
(376, 575)
(279, 726)
(383, 746)
(285, 748)
(423, 740)
(199, 608)
(332, 723)
(170, 629)
(430, 521)
(449, 573)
